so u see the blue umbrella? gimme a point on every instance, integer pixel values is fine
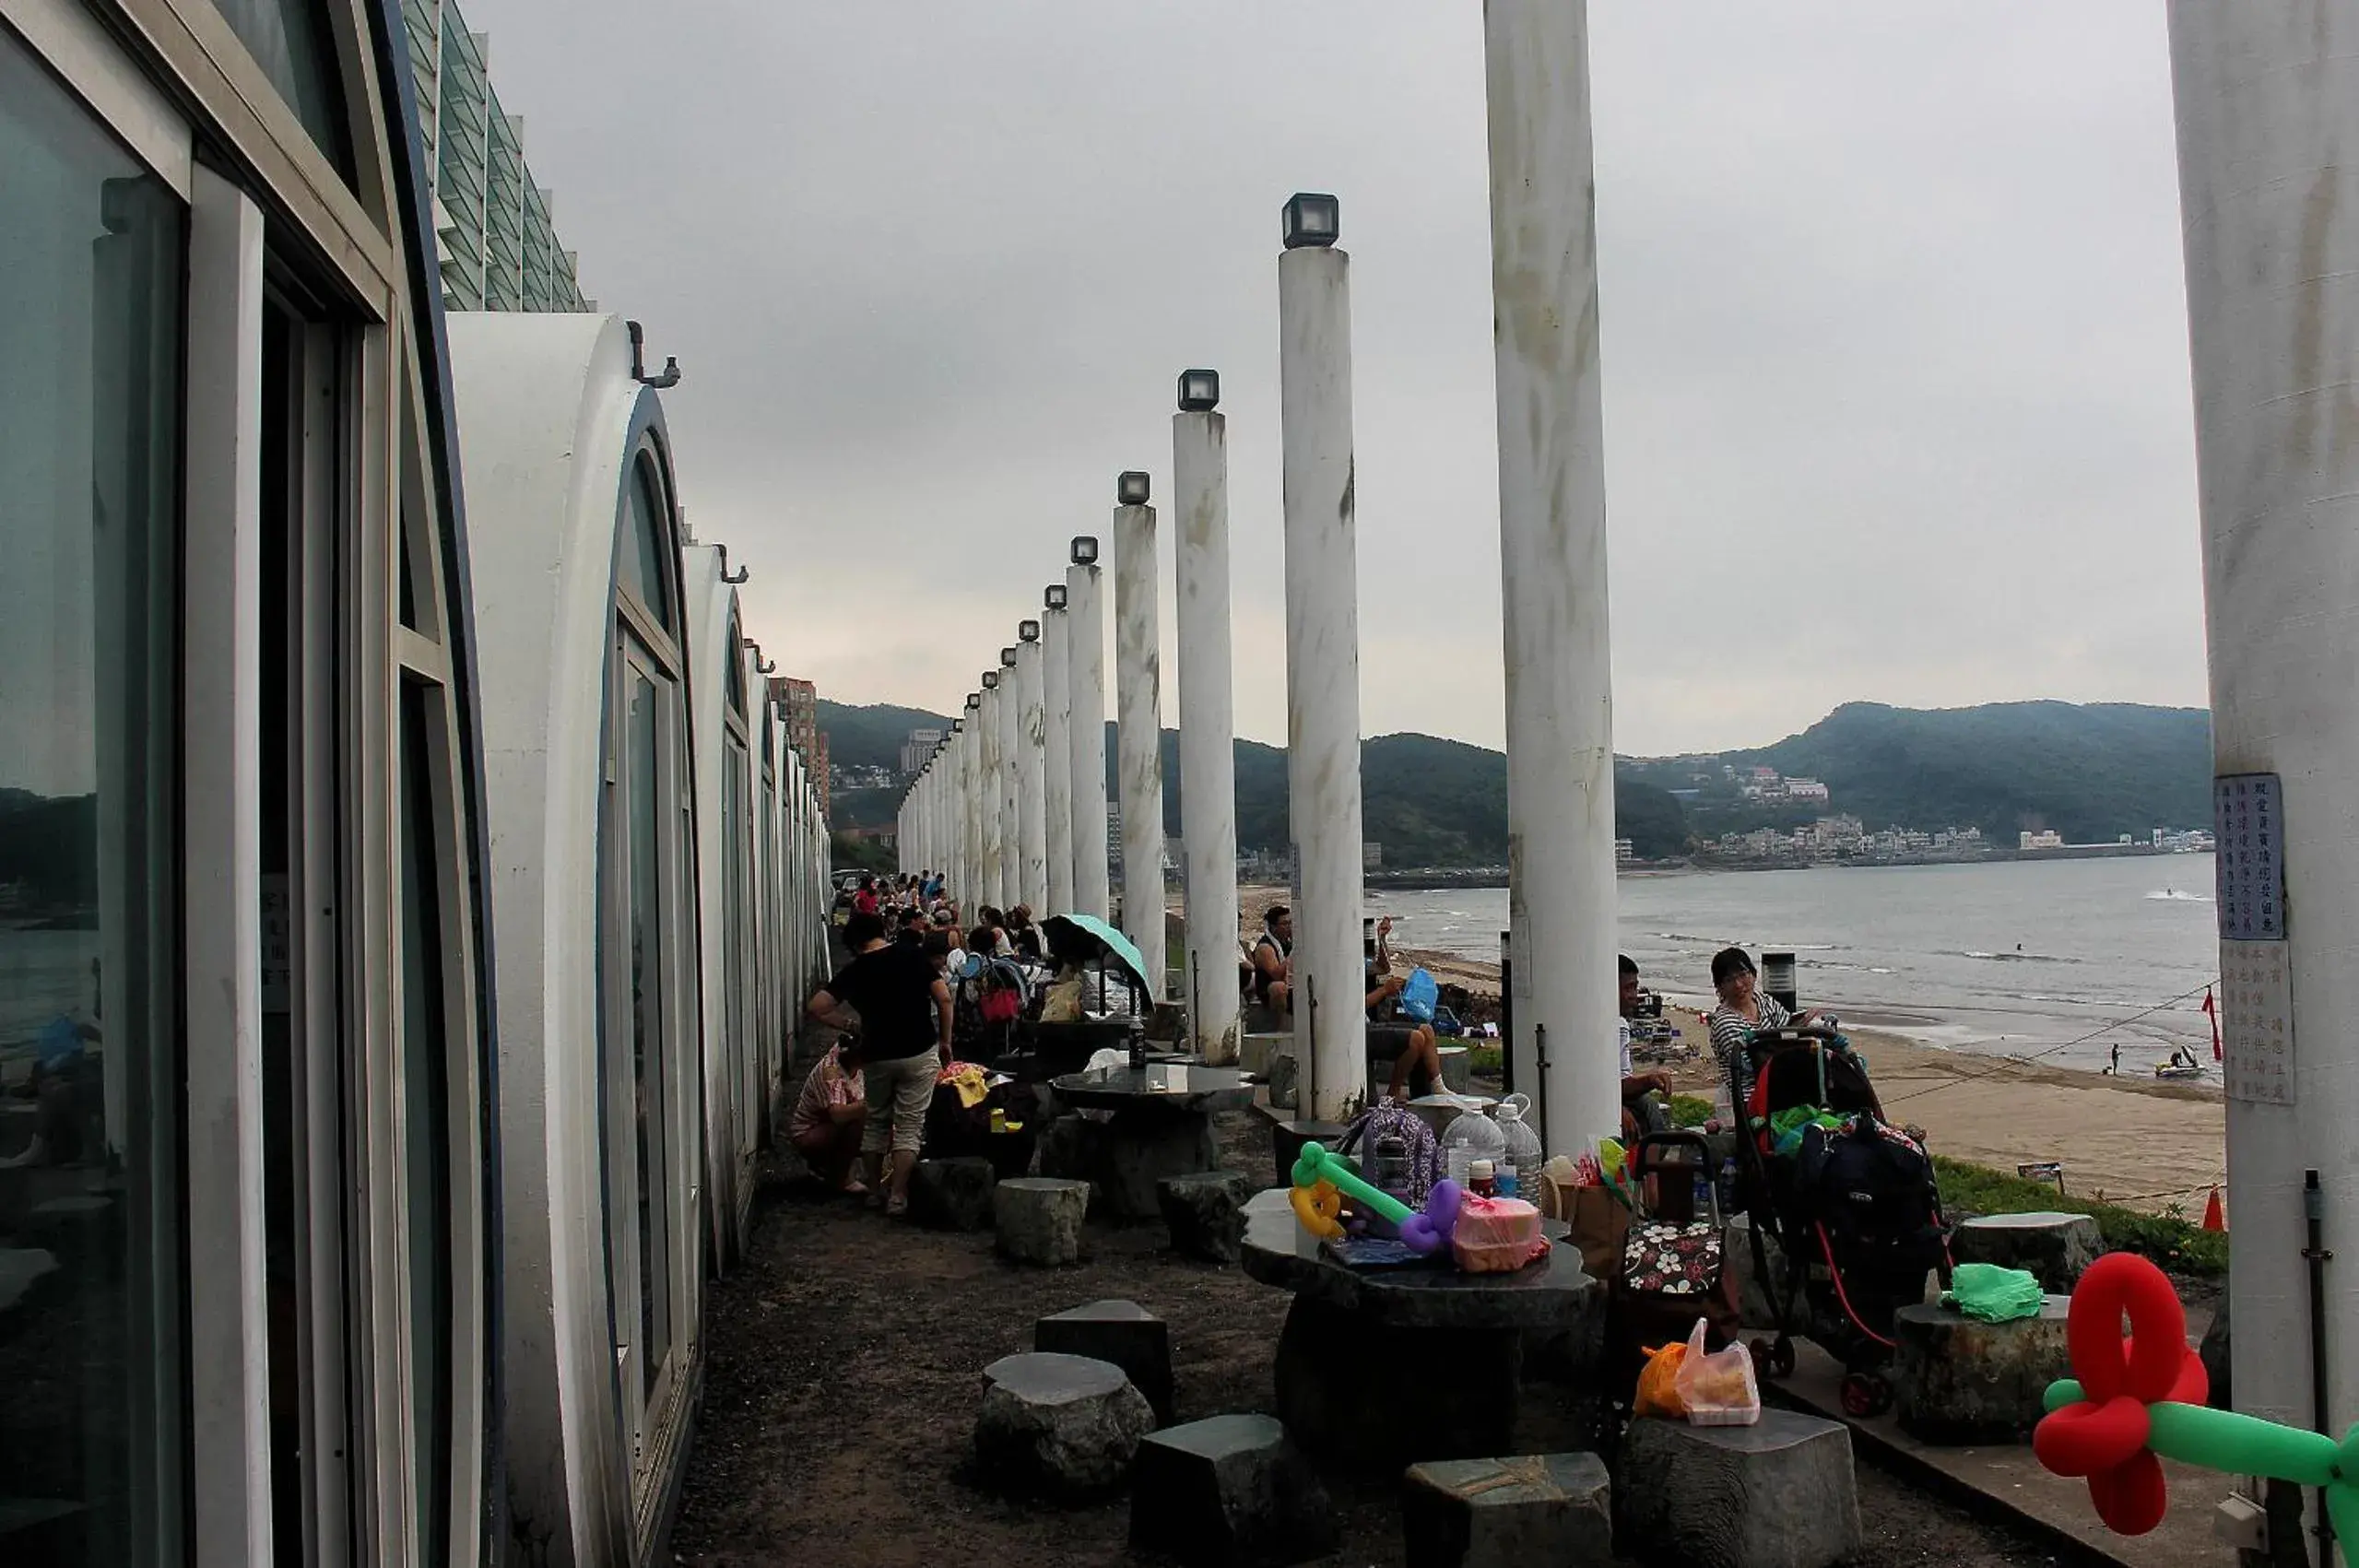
(1083, 937)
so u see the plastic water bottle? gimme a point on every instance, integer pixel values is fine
(1522, 1147)
(1472, 1136)
(1728, 1186)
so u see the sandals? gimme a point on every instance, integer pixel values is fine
(897, 1206)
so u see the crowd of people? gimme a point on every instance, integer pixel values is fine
(918, 991)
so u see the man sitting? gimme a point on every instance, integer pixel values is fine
(1273, 964)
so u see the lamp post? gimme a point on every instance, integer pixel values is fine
(1032, 728)
(1322, 657)
(1012, 811)
(2264, 93)
(986, 798)
(1207, 714)
(1085, 633)
(1139, 763)
(1561, 900)
(1056, 743)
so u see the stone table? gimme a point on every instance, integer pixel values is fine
(1151, 1134)
(1388, 1367)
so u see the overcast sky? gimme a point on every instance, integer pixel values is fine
(1894, 345)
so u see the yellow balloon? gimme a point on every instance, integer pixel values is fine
(1319, 1208)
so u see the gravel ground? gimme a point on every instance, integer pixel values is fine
(844, 1366)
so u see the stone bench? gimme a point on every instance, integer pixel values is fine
(1205, 1213)
(2055, 1248)
(1039, 1220)
(1957, 1379)
(1551, 1508)
(1058, 1426)
(1778, 1495)
(1229, 1493)
(1123, 1333)
(953, 1195)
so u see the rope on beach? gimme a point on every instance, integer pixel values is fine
(2078, 1039)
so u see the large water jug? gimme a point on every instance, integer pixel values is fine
(1471, 1136)
(1523, 1155)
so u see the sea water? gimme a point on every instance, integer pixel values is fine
(2037, 956)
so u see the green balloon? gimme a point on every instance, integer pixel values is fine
(2223, 1440)
(1323, 1164)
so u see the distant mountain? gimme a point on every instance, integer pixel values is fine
(2092, 773)
(870, 737)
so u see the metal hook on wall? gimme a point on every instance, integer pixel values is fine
(670, 376)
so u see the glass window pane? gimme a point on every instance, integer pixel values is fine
(92, 257)
(642, 773)
(291, 41)
(426, 1113)
(639, 552)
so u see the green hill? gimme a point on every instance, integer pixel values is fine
(870, 737)
(2092, 773)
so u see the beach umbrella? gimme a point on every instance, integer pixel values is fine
(1080, 938)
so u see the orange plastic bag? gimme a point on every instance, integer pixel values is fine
(1659, 1392)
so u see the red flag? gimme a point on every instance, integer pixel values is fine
(2213, 1013)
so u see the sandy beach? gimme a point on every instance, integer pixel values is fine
(2132, 1141)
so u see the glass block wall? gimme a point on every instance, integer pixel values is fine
(499, 250)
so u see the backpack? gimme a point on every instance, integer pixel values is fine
(1871, 1184)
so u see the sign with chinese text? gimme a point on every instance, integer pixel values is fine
(2248, 819)
(2257, 1020)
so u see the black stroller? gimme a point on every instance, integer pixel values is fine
(1853, 1208)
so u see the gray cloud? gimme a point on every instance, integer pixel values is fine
(1895, 342)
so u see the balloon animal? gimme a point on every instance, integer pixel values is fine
(1320, 1171)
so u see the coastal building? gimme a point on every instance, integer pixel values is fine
(798, 701)
(1805, 789)
(497, 247)
(920, 745)
(1623, 853)
(2046, 838)
(1371, 856)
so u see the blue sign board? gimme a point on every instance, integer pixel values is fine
(2248, 819)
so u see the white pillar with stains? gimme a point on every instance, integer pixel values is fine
(2268, 110)
(1138, 710)
(1031, 804)
(987, 794)
(1207, 717)
(971, 805)
(1322, 664)
(1011, 813)
(1085, 609)
(1056, 745)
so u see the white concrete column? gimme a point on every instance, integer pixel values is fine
(1032, 784)
(1208, 727)
(1056, 745)
(1323, 677)
(2268, 105)
(1561, 901)
(1086, 631)
(971, 808)
(1011, 813)
(986, 798)
(1139, 734)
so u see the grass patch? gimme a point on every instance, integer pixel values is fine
(2169, 1238)
(1483, 1060)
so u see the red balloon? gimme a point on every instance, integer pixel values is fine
(2148, 1365)
(2132, 1497)
(2086, 1439)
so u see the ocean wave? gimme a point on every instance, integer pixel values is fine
(2017, 957)
(2175, 895)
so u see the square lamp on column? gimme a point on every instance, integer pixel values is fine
(1199, 390)
(991, 681)
(974, 701)
(1131, 489)
(957, 725)
(1007, 658)
(1085, 550)
(1053, 597)
(1313, 218)
(1028, 631)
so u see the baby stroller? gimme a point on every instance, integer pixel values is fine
(1849, 1199)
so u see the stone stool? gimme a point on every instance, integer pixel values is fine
(1552, 1508)
(1206, 1213)
(1777, 1494)
(953, 1195)
(1229, 1493)
(1123, 1333)
(1957, 1379)
(2056, 1248)
(1039, 1218)
(1058, 1426)
(1456, 1071)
